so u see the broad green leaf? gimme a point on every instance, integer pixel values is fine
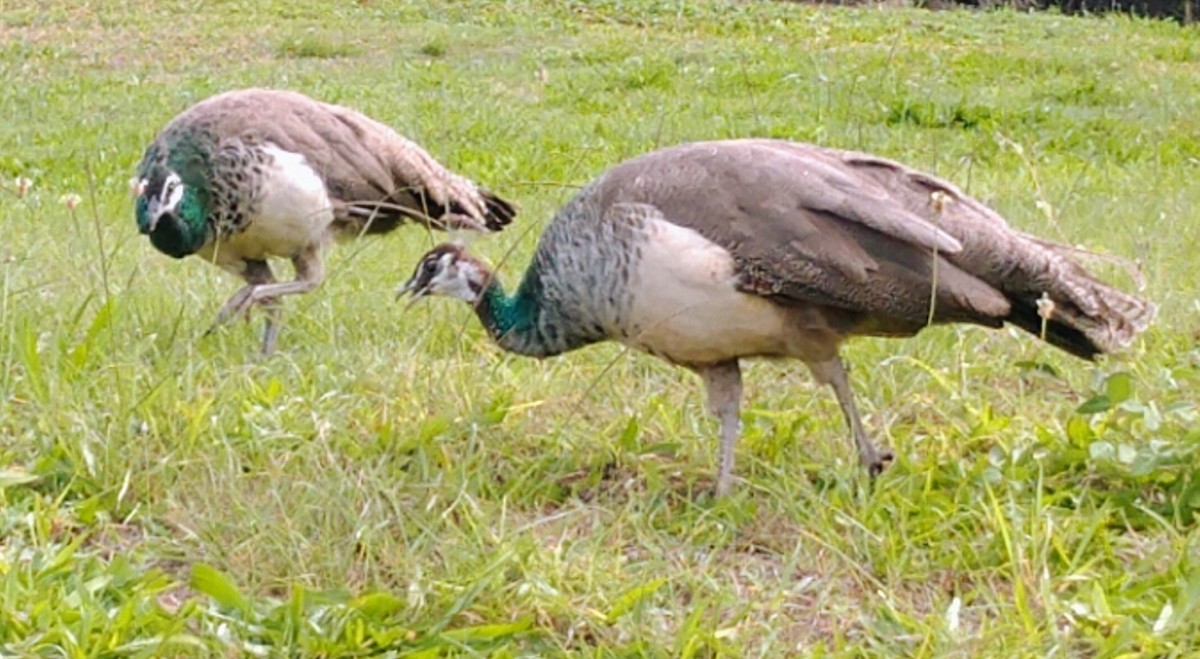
(1151, 417)
(1101, 450)
(497, 410)
(1118, 387)
(206, 579)
(634, 596)
(1126, 453)
(1094, 405)
(629, 434)
(1079, 430)
(1037, 367)
(159, 642)
(9, 478)
(1180, 407)
(487, 632)
(377, 605)
(668, 449)
(1190, 497)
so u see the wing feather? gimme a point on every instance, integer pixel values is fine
(366, 165)
(813, 226)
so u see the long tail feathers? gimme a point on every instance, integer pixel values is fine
(1061, 301)
(500, 213)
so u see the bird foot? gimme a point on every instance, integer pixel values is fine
(237, 305)
(721, 488)
(240, 305)
(876, 461)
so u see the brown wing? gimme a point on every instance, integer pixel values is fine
(371, 171)
(812, 226)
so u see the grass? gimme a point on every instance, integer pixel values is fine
(391, 482)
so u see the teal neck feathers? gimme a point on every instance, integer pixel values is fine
(530, 322)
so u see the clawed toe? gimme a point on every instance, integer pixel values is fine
(240, 305)
(237, 305)
(878, 462)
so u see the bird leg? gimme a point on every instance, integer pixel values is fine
(271, 326)
(259, 273)
(833, 373)
(310, 272)
(256, 273)
(723, 383)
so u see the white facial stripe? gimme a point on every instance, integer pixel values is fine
(443, 278)
(172, 192)
(453, 278)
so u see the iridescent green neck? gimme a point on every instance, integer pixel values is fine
(186, 154)
(529, 322)
(186, 231)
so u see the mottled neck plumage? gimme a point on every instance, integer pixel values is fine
(529, 322)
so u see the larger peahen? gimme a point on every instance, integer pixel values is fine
(706, 253)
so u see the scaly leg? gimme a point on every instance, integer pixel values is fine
(310, 272)
(258, 273)
(833, 373)
(724, 385)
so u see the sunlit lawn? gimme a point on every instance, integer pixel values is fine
(391, 481)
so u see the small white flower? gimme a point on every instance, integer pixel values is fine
(136, 187)
(1045, 307)
(23, 183)
(1164, 618)
(72, 200)
(952, 615)
(939, 199)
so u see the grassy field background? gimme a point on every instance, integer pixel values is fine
(391, 482)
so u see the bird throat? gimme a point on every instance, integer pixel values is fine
(184, 231)
(530, 321)
(510, 319)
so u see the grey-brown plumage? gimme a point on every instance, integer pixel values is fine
(254, 173)
(706, 253)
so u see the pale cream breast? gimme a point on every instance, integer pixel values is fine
(294, 213)
(687, 308)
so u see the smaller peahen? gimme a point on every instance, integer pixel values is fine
(706, 253)
(255, 173)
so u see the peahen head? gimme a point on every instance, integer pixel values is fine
(171, 211)
(447, 270)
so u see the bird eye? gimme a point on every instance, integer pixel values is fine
(429, 267)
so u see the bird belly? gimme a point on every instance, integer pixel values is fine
(684, 306)
(292, 212)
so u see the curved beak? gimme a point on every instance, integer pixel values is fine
(153, 213)
(410, 287)
(154, 218)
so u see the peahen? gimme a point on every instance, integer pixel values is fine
(254, 173)
(706, 253)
